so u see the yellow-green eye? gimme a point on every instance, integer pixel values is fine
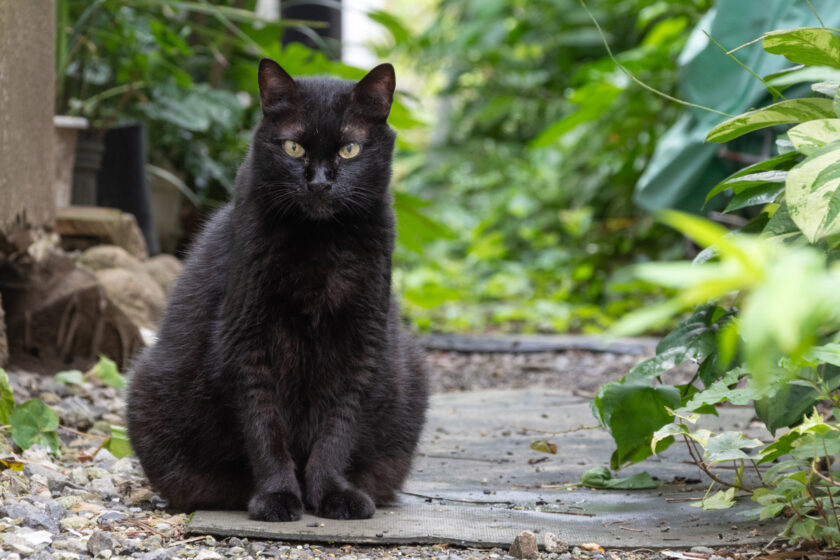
(293, 148)
(349, 150)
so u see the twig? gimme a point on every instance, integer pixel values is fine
(578, 429)
(766, 546)
(703, 467)
(456, 500)
(582, 514)
(78, 433)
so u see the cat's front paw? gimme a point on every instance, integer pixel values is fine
(275, 506)
(349, 503)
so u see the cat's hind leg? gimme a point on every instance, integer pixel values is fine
(188, 489)
(383, 477)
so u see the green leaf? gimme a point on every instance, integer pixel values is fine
(106, 370)
(722, 499)
(829, 89)
(543, 446)
(781, 162)
(601, 477)
(784, 112)
(759, 195)
(801, 74)
(118, 443)
(7, 398)
(783, 445)
(811, 193)
(811, 136)
(70, 377)
(632, 411)
(728, 446)
(772, 510)
(814, 46)
(34, 422)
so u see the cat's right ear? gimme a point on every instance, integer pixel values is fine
(277, 88)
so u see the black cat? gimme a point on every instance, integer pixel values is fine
(280, 376)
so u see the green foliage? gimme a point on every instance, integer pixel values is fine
(34, 422)
(7, 399)
(106, 370)
(70, 377)
(117, 443)
(538, 144)
(766, 321)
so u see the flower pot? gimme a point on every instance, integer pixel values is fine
(66, 133)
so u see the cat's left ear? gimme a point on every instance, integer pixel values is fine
(374, 93)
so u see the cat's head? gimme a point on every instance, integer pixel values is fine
(323, 149)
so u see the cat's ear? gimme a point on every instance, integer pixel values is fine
(374, 93)
(277, 88)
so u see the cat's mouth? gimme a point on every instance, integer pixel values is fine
(318, 207)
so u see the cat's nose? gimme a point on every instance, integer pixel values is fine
(320, 187)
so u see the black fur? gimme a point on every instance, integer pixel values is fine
(281, 379)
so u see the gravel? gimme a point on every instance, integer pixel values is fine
(89, 504)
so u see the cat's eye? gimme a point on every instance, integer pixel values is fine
(350, 150)
(293, 148)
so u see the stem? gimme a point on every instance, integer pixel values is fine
(703, 467)
(770, 88)
(819, 19)
(630, 75)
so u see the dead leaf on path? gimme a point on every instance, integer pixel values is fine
(544, 446)
(592, 547)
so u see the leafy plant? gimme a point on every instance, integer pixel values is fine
(538, 141)
(34, 422)
(118, 443)
(765, 330)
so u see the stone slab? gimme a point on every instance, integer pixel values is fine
(476, 482)
(524, 344)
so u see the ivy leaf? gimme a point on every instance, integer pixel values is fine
(728, 446)
(70, 377)
(784, 112)
(722, 499)
(7, 398)
(814, 46)
(601, 477)
(632, 411)
(106, 370)
(34, 422)
(118, 443)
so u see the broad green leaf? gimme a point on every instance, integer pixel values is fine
(812, 446)
(632, 411)
(118, 443)
(828, 89)
(811, 136)
(783, 112)
(828, 353)
(783, 445)
(728, 446)
(772, 510)
(34, 422)
(70, 377)
(759, 195)
(722, 499)
(811, 193)
(7, 398)
(803, 74)
(813, 46)
(106, 370)
(667, 433)
(601, 477)
(781, 162)
(544, 446)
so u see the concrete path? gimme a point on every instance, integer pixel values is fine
(477, 482)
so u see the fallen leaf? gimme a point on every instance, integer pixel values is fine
(592, 547)
(544, 446)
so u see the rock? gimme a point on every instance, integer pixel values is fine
(63, 319)
(101, 540)
(524, 546)
(208, 555)
(26, 540)
(157, 554)
(76, 413)
(101, 257)
(553, 544)
(141, 495)
(31, 516)
(83, 226)
(137, 295)
(702, 550)
(76, 522)
(55, 480)
(165, 270)
(104, 486)
(122, 466)
(71, 544)
(105, 457)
